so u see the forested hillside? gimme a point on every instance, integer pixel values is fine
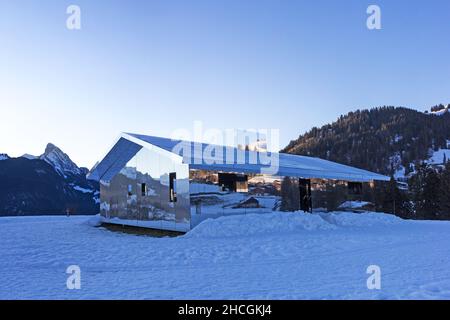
(379, 139)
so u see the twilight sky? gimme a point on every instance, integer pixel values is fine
(153, 67)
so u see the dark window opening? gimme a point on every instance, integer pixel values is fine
(143, 189)
(130, 190)
(305, 195)
(355, 188)
(233, 182)
(173, 187)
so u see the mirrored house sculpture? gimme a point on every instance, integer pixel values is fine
(173, 185)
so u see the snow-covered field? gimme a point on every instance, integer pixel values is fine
(266, 256)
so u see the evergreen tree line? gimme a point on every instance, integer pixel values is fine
(369, 139)
(428, 196)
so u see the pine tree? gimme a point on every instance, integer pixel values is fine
(444, 193)
(431, 194)
(425, 187)
(390, 199)
(416, 183)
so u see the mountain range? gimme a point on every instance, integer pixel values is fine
(47, 184)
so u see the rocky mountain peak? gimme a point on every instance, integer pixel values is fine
(60, 161)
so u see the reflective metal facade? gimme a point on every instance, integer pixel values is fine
(140, 194)
(144, 182)
(209, 199)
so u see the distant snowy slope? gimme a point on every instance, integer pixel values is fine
(29, 156)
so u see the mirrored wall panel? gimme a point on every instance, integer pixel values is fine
(214, 194)
(152, 190)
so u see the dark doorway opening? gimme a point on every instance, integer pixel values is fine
(305, 195)
(233, 182)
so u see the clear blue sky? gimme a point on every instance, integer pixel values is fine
(156, 66)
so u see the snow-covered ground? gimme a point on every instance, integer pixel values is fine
(255, 256)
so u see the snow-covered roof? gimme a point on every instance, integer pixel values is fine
(229, 159)
(353, 204)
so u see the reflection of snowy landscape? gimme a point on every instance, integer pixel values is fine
(209, 200)
(230, 204)
(275, 255)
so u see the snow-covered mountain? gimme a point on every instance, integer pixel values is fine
(48, 184)
(60, 161)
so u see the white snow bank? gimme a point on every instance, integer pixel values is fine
(94, 221)
(283, 222)
(366, 219)
(259, 224)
